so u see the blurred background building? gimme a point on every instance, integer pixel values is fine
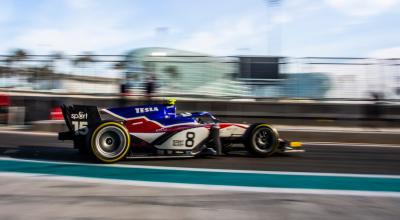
(184, 73)
(187, 73)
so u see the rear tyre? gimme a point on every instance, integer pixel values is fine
(109, 142)
(262, 140)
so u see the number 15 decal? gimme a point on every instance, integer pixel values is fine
(189, 139)
(80, 127)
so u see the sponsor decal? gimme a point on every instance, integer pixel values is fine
(177, 143)
(147, 109)
(137, 123)
(79, 116)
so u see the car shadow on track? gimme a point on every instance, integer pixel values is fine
(32, 152)
(65, 154)
(68, 154)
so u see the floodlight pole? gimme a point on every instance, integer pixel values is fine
(271, 4)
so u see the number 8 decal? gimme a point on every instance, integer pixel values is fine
(189, 139)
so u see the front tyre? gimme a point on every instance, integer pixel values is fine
(109, 142)
(262, 140)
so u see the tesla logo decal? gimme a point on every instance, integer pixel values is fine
(144, 110)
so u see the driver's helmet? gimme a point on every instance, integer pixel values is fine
(170, 101)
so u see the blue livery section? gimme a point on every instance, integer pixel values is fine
(150, 111)
(164, 114)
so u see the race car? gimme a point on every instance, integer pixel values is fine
(156, 131)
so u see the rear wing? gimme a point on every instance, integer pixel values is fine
(78, 119)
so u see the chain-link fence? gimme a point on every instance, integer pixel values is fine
(349, 78)
(61, 73)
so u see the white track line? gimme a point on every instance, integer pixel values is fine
(213, 170)
(206, 187)
(390, 132)
(343, 144)
(53, 134)
(36, 133)
(322, 130)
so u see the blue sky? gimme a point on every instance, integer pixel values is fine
(360, 28)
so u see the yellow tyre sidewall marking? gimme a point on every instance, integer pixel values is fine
(92, 144)
(272, 129)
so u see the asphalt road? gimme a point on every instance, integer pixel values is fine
(332, 159)
(45, 197)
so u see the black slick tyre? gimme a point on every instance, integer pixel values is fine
(261, 140)
(108, 142)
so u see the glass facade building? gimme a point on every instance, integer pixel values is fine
(184, 73)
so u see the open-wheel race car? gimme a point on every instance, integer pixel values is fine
(157, 131)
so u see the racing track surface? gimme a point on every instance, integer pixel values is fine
(327, 159)
(24, 185)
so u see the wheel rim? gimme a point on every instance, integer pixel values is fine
(263, 140)
(110, 142)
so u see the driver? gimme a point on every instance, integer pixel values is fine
(170, 108)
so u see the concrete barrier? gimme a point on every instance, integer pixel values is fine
(16, 115)
(38, 108)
